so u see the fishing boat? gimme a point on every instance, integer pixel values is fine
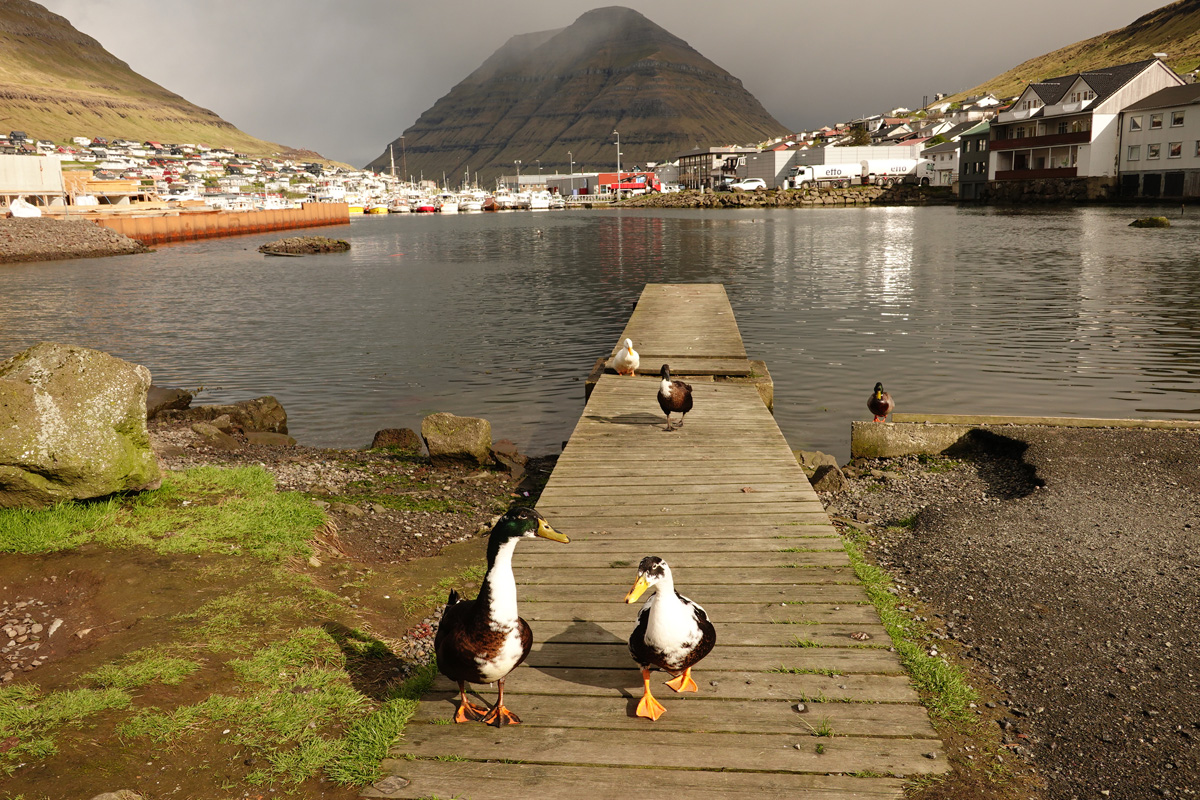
(447, 202)
(539, 200)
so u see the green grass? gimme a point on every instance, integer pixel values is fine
(824, 727)
(798, 642)
(202, 510)
(943, 686)
(32, 720)
(441, 590)
(785, 670)
(140, 668)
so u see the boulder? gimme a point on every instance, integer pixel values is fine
(212, 436)
(828, 479)
(268, 439)
(402, 439)
(809, 460)
(1151, 222)
(260, 414)
(72, 426)
(160, 399)
(457, 440)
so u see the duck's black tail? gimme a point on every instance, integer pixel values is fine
(453, 597)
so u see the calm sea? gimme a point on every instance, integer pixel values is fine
(1063, 312)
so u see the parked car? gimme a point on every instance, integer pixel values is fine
(749, 185)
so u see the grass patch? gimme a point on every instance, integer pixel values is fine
(202, 510)
(798, 642)
(943, 686)
(441, 590)
(783, 670)
(31, 719)
(140, 668)
(824, 727)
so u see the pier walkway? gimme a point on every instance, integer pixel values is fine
(724, 502)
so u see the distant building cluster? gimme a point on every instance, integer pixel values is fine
(1130, 130)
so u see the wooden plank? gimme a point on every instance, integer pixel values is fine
(623, 575)
(506, 781)
(735, 684)
(687, 366)
(693, 538)
(583, 630)
(680, 562)
(615, 655)
(607, 545)
(793, 593)
(857, 615)
(654, 748)
(703, 714)
(746, 500)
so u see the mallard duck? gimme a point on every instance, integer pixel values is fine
(482, 640)
(672, 633)
(674, 396)
(626, 360)
(880, 403)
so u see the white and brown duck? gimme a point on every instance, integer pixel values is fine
(674, 396)
(483, 640)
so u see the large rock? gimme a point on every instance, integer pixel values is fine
(72, 426)
(260, 414)
(828, 478)
(402, 439)
(451, 439)
(810, 460)
(160, 399)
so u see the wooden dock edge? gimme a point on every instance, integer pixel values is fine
(934, 434)
(759, 377)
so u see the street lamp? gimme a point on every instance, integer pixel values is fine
(518, 163)
(618, 135)
(571, 158)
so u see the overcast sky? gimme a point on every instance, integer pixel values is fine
(345, 77)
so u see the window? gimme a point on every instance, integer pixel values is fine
(1135, 152)
(1174, 149)
(1176, 119)
(1153, 151)
(1062, 126)
(1155, 121)
(1198, 147)
(1135, 123)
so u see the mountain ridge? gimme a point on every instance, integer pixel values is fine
(56, 82)
(1173, 28)
(544, 96)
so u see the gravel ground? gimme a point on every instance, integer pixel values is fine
(44, 239)
(1064, 564)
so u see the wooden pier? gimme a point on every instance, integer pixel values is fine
(724, 502)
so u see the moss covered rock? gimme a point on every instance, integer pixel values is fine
(451, 439)
(1151, 222)
(72, 426)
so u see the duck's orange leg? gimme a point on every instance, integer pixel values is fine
(684, 682)
(467, 711)
(649, 707)
(499, 715)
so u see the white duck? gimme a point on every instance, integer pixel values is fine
(626, 360)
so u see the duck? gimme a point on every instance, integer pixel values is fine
(483, 640)
(626, 360)
(672, 634)
(674, 396)
(880, 403)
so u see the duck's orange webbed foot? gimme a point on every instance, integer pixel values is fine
(499, 715)
(684, 682)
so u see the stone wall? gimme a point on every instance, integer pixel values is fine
(1050, 190)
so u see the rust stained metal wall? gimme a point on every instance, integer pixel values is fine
(185, 227)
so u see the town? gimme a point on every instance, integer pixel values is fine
(1124, 131)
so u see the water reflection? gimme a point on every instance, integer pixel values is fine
(502, 315)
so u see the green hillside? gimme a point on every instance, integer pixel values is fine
(1173, 29)
(57, 83)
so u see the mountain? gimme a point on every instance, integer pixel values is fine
(1173, 29)
(544, 95)
(57, 83)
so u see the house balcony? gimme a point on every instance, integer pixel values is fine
(1082, 137)
(1035, 174)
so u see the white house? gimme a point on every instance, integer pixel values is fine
(1067, 127)
(1160, 144)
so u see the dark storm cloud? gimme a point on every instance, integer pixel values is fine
(345, 77)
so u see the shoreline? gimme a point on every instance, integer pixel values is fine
(44, 239)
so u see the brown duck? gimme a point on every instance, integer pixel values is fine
(880, 403)
(483, 640)
(674, 396)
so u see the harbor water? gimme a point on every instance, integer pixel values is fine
(1065, 312)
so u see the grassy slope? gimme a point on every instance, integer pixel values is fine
(57, 83)
(1173, 29)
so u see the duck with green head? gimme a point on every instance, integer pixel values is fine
(880, 403)
(483, 640)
